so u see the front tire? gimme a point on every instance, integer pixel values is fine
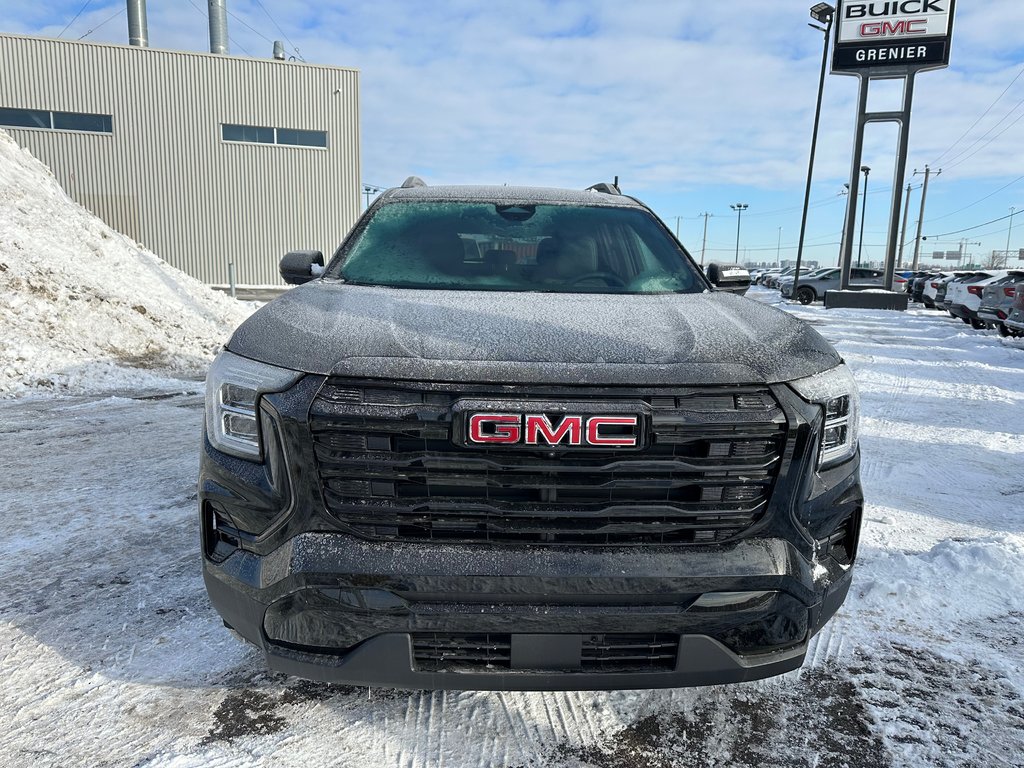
(805, 295)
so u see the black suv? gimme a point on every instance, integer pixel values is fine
(512, 438)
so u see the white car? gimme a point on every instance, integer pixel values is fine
(932, 284)
(966, 295)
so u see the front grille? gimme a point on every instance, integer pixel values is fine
(436, 652)
(389, 469)
(442, 652)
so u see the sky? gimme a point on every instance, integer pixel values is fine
(693, 105)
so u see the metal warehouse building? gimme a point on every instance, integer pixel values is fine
(202, 158)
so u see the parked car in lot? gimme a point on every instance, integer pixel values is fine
(934, 290)
(956, 285)
(1015, 322)
(967, 298)
(764, 275)
(909, 276)
(782, 282)
(942, 290)
(772, 280)
(997, 300)
(915, 286)
(814, 288)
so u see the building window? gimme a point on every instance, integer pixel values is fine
(58, 121)
(285, 136)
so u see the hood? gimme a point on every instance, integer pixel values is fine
(330, 328)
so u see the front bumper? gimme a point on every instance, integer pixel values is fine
(328, 608)
(324, 604)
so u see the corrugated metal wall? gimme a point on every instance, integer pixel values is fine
(165, 177)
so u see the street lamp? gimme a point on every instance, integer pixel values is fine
(739, 208)
(864, 206)
(368, 190)
(823, 13)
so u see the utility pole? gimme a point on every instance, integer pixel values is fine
(678, 219)
(964, 242)
(1006, 261)
(920, 222)
(704, 243)
(739, 208)
(903, 236)
(778, 250)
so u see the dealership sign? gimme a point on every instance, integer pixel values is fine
(894, 36)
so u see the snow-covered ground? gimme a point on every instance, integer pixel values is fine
(111, 655)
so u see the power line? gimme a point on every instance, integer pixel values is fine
(815, 204)
(241, 21)
(104, 22)
(81, 10)
(298, 55)
(986, 197)
(975, 123)
(968, 229)
(966, 154)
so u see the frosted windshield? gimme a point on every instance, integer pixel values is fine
(484, 246)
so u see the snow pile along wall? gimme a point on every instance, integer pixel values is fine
(84, 308)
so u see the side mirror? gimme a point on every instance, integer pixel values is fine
(300, 267)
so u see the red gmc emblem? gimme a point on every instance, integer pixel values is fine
(537, 429)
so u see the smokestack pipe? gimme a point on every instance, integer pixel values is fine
(138, 31)
(218, 27)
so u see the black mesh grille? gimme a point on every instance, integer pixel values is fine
(437, 652)
(442, 652)
(629, 653)
(389, 468)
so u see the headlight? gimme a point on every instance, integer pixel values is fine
(233, 387)
(836, 391)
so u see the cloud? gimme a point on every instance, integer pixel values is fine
(684, 99)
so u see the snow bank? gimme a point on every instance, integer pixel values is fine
(84, 308)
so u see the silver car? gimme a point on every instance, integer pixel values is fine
(1015, 322)
(813, 286)
(997, 301)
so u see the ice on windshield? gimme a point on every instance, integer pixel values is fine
(484, 246)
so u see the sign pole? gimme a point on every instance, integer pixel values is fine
(901, 175)
(851, 203)
(888, 41)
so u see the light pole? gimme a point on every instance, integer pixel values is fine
(864, 206)
(739, 208)
(369, 189)
(823, 13)
(846, 216)
(778, 250)
(1009, 232)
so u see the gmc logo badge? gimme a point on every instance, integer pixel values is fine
(538, 429)
(894, 29)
